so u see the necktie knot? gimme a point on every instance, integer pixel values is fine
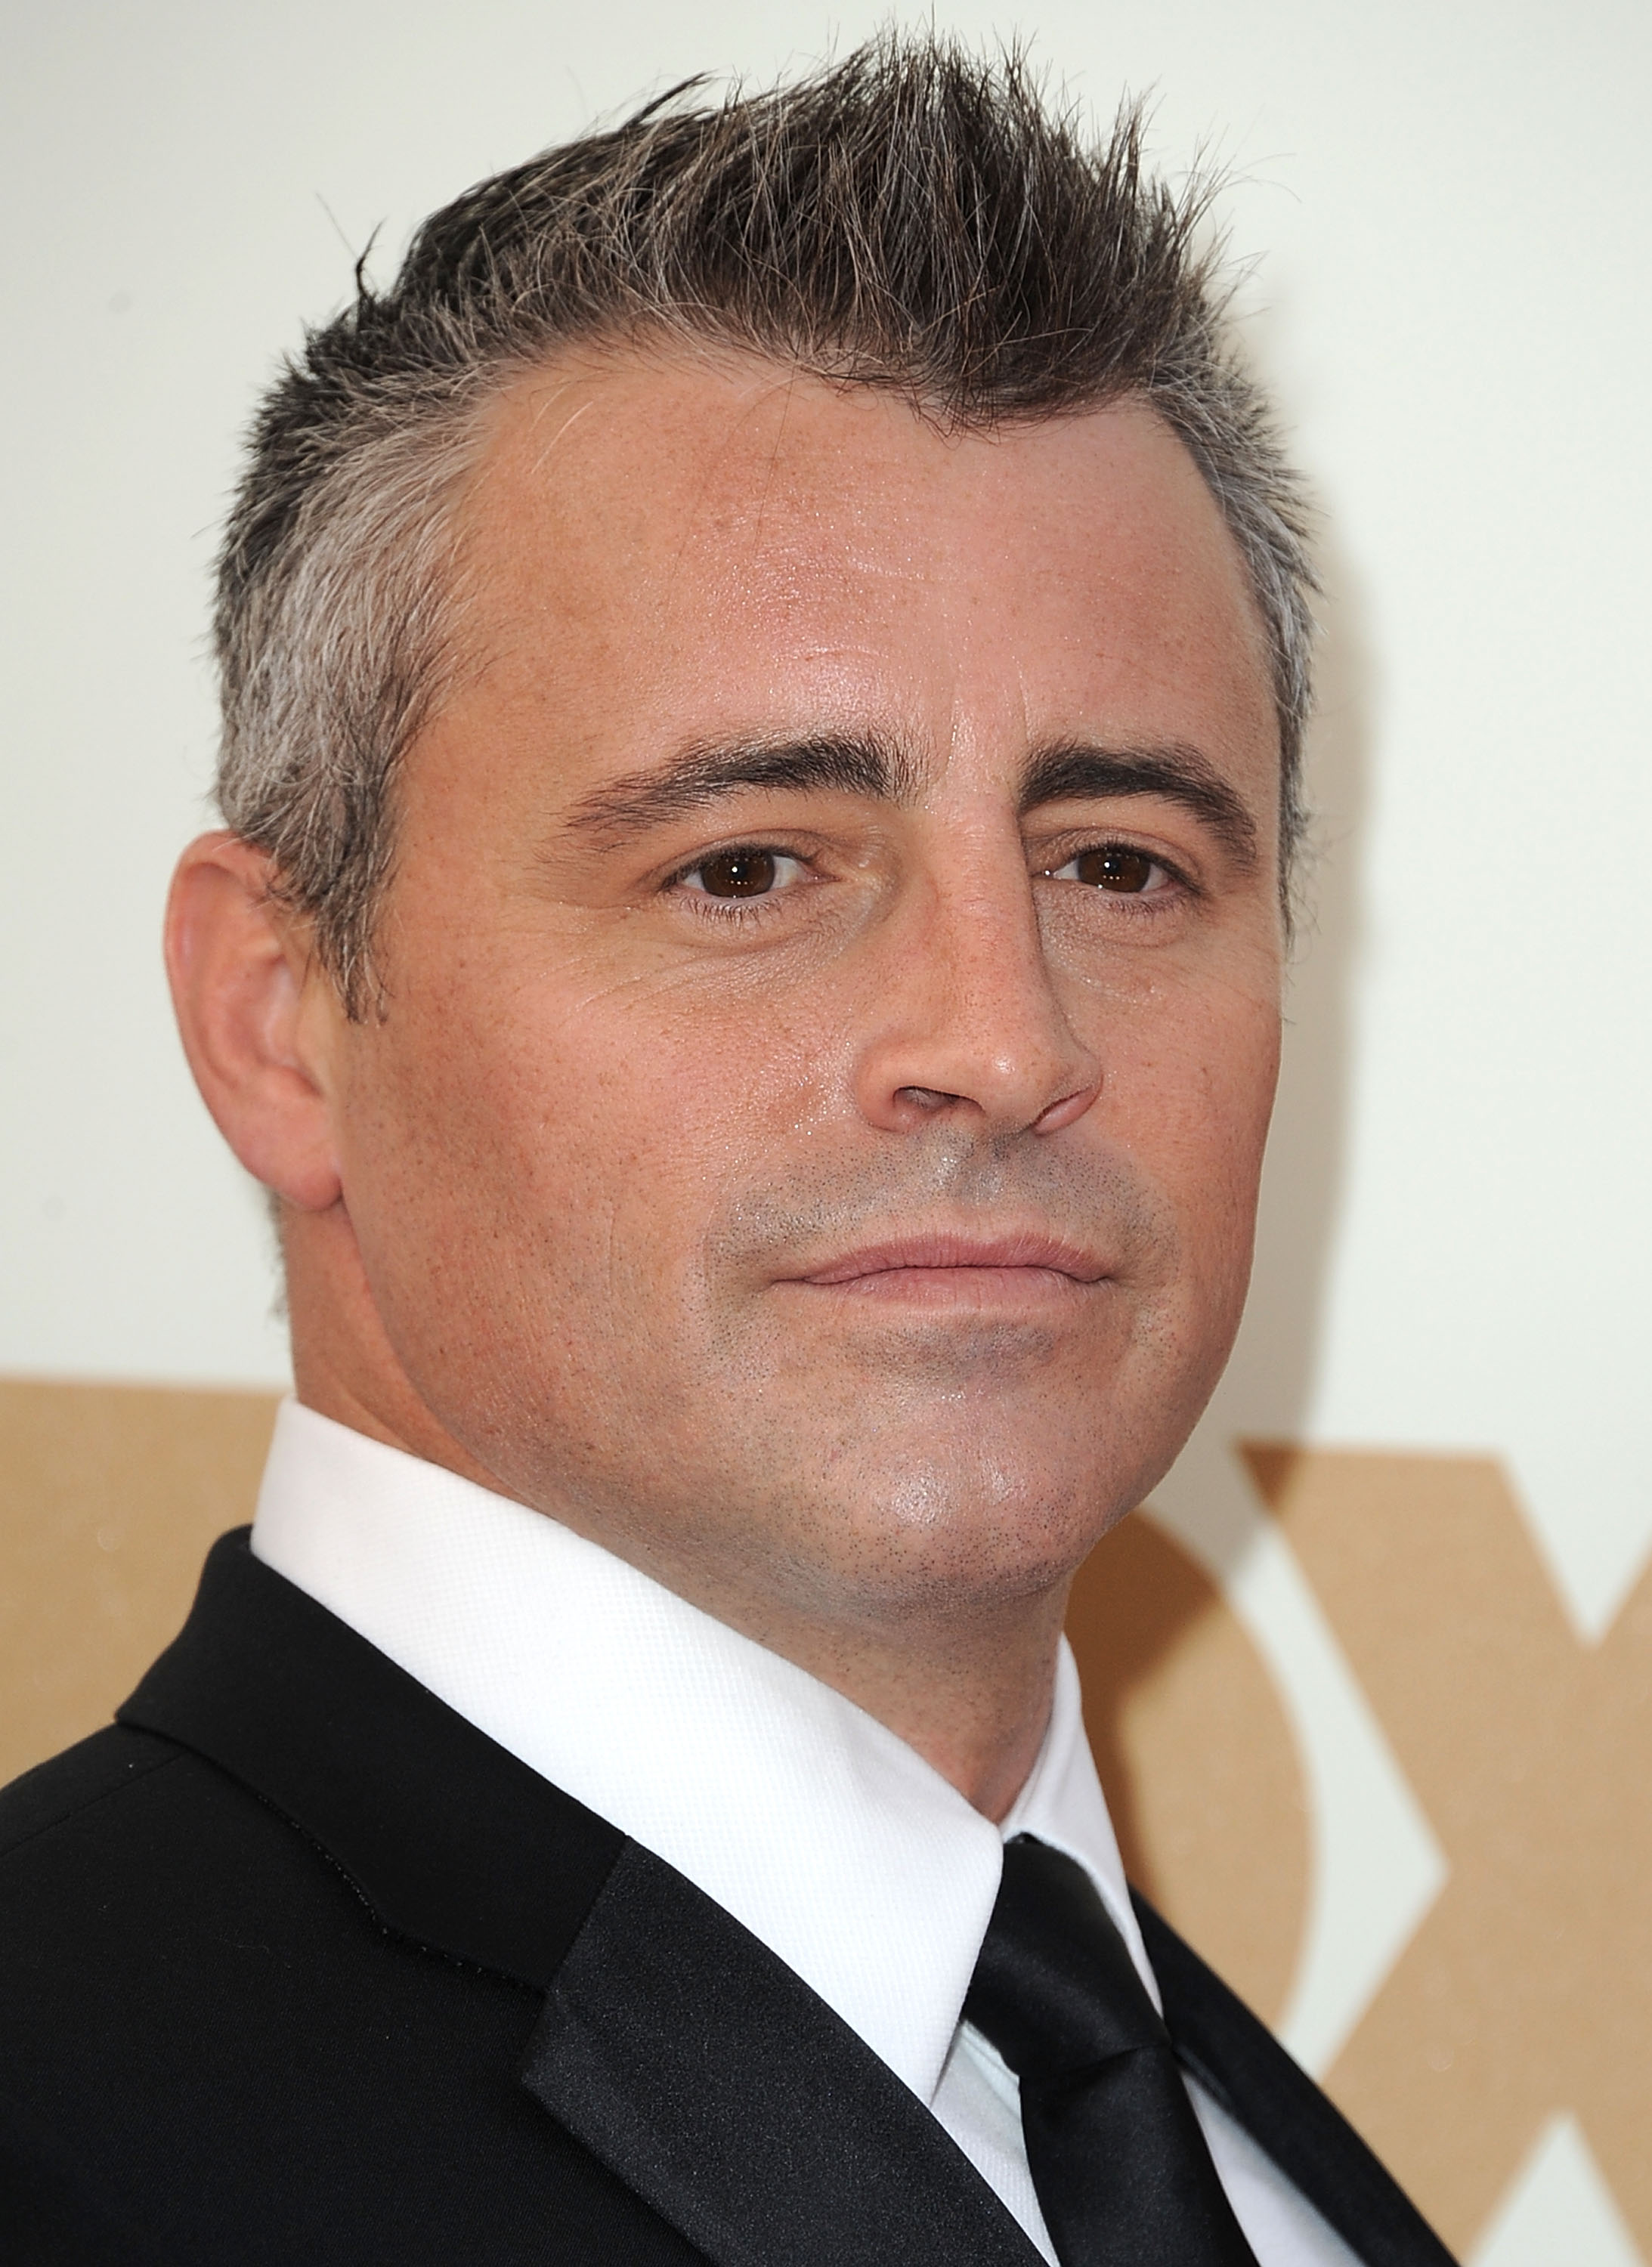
(1122, 2173)
(1056, 1989)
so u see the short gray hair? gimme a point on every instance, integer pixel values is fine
(913, 218)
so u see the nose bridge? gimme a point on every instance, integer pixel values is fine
(967, 1015)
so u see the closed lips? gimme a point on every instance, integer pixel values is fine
(1023, 1255)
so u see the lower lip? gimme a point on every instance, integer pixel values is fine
(971, 1289)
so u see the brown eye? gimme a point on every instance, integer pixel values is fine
(1115, 867)
(739, 874)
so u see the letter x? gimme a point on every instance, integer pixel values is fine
(1527, 1988)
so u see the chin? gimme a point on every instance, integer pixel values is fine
(933, 1535)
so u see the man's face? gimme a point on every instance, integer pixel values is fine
(833, 963)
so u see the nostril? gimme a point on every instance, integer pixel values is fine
(926, 1097)
(1069, 1107)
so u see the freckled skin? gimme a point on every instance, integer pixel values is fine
(552, 1220)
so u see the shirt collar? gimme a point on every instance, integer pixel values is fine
(827, 1837)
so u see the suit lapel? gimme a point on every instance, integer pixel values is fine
(451, 1839)
(719, 2087)
(1239, 2060)
(673, 2045)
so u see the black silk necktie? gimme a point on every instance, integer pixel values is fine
(1123, 2176)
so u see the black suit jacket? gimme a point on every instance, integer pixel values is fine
(298, 1966)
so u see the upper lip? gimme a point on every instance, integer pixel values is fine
(950, 1248)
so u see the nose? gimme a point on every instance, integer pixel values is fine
(965, 1018)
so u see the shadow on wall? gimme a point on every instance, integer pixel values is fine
(1197, 1756)
(1192, 1739)
(1270, 1379)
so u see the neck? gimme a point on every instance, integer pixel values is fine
(968, 1686)
(972, 1694)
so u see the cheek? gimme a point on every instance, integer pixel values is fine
(588, 1130)
(1189, 1090)
(1233, 1102)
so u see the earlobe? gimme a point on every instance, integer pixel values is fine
(241, 976)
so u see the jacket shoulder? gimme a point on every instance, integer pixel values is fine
(94, 1772)
(214, 2042)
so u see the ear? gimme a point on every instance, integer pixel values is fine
(257, 1016)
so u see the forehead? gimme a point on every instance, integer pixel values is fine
(724, 534)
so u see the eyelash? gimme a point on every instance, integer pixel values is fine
(744, 912)
(1181, 884)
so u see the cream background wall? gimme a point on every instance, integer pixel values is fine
(1448, 206)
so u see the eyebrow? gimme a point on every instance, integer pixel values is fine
(845, 763)
(1079, 773)
(877, 769)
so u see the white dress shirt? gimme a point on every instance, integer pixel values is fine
(832, 1841)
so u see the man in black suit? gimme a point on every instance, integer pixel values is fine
(762, 688)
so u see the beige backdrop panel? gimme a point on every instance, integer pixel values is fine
(109, 1495)
(1524, 1994)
